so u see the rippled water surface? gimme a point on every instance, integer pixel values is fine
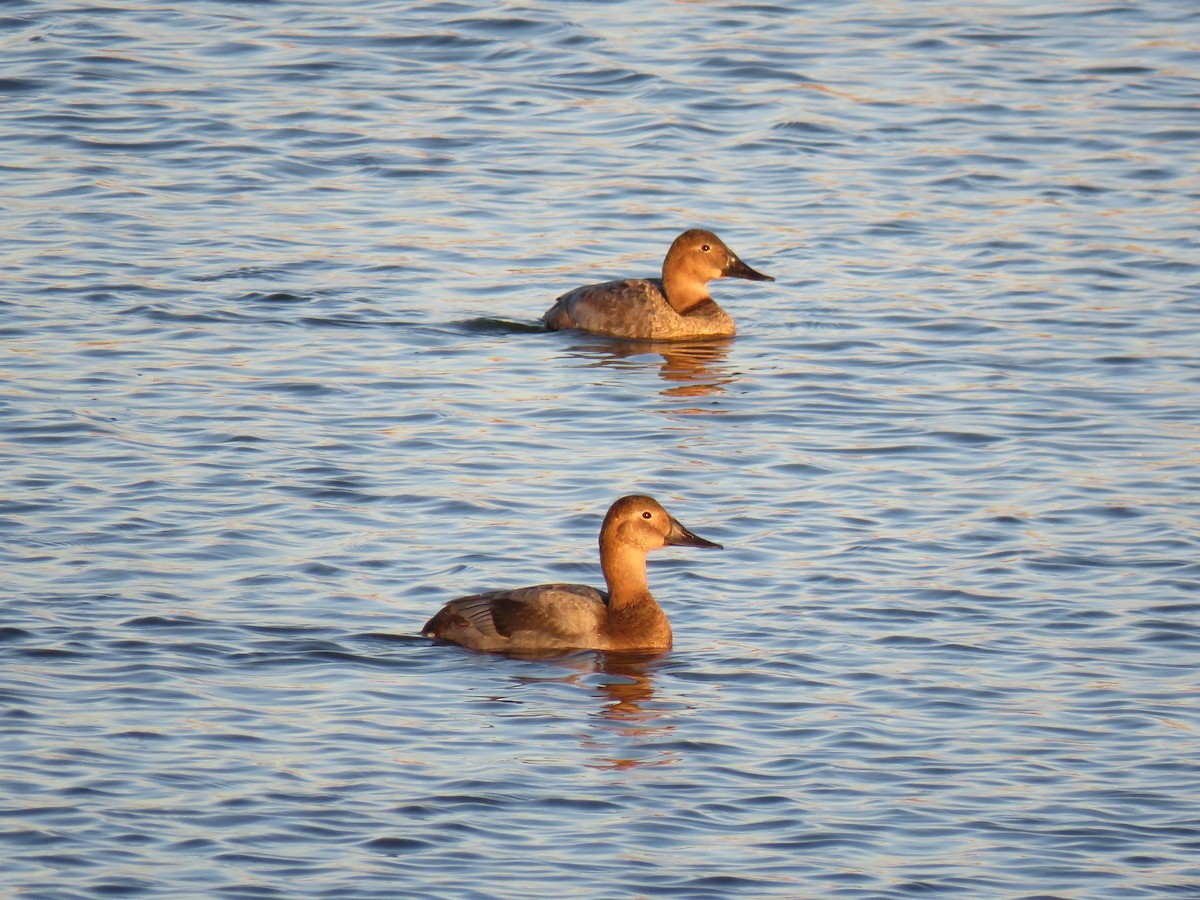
(272, 392)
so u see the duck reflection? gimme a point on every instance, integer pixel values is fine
(624, 680)
(691, 368)
(628, 684)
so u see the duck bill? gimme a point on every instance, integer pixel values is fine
(738, 269)
(681, 537)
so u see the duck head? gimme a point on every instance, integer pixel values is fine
(641, 522)
(703, 256)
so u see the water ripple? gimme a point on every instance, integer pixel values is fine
(274, 391)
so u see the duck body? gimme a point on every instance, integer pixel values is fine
(575, 616)
(636, 309)
(548, 617)
(676, 306)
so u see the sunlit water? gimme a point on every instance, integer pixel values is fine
(271, 394)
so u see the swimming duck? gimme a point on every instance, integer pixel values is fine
(574, 616)
(674, 307)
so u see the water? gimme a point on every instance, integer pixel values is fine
(270, 396)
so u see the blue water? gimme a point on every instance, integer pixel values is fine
(270, 394)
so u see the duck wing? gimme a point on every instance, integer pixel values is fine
(545, 616)
(616, 308)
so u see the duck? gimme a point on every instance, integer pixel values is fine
(574, 616)
(675, 307)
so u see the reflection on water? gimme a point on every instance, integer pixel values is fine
(692, 368)
(624, 681)
(628, 684)
(624, 687)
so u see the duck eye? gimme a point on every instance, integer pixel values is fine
(646, 515)
(704, 248)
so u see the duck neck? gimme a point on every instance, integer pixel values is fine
(625, 574)
(683, 293)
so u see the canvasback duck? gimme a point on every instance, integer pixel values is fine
(672, 308)
(574, 616)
